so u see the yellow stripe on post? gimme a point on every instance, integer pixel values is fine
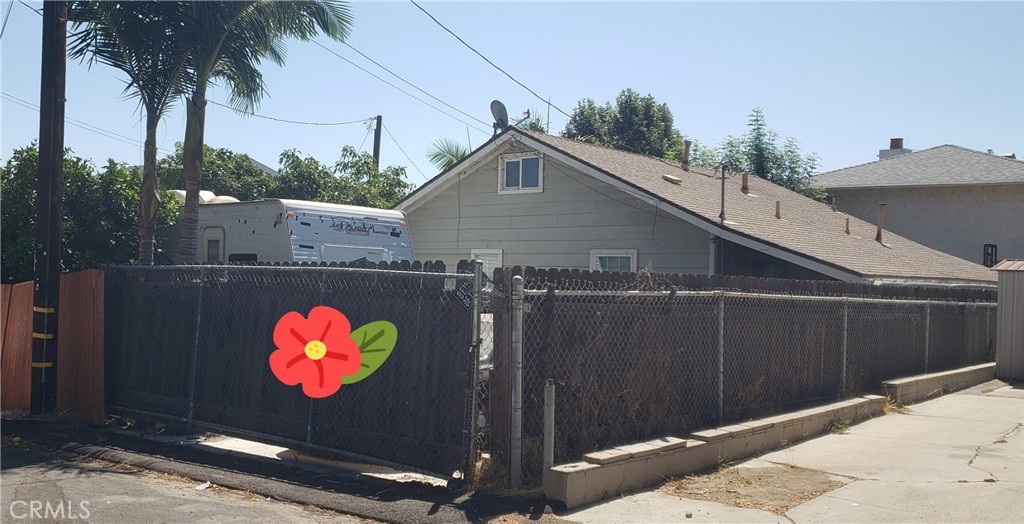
(44, 336)
(42, 364)
(38, 309)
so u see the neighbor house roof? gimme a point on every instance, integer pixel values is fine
(939, 166)
(809, 232)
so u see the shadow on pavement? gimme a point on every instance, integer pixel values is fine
(344, 491)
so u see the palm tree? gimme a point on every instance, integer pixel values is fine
(228, 41)
(134, 38)
(445, 153)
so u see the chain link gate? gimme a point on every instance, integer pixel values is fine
(190, 344)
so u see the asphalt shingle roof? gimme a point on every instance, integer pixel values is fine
(939, 166)
(807, 227)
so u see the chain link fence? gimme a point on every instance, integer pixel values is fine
(192, 343)
(637, 359)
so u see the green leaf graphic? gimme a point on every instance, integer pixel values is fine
(375, 341)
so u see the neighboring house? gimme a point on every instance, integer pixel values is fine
(960, 201)
(527, 198)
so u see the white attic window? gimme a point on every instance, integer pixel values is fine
(521, 173)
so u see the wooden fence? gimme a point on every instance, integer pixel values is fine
(80, 346)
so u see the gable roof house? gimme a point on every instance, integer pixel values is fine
(959, 201)
(527, 198)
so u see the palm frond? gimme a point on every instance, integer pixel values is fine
(445, 153)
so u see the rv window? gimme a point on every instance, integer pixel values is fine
(213, 250)
(243, 257)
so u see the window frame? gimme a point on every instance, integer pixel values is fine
(476, 252)
(596, 253)
(518, 157)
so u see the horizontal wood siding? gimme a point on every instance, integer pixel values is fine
(554, 228)
(16, 354)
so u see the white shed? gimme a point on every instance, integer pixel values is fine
(1010, 320)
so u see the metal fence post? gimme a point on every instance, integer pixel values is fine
(927, 330)
(474, 368)
(195, 347)
(846, 338)
(516, 437)
(549, 429)
(721, 356)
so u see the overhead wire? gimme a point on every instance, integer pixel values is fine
(7, 17)
(414, 86)
(285, 120)
(82, 124)
(471, 48)
(400, 148)
(325, 48)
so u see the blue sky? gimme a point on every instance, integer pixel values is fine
(841, 78)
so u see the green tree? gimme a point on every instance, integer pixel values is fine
(228, 41)
(135, 38)
(635, 123)
(361, 183)
(758, 152)
(100, 214)
(305, 178)
(224, 172)
(354, 180)
(445, 153)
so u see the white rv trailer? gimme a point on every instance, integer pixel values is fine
(279, 230)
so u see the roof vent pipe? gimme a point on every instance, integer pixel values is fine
(686, 154)
(881, 221)
(745, 187)
(847, 225)
(778, 209)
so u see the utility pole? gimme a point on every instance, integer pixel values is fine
(376, 143)
(48, 208)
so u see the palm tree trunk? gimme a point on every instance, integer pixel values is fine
(192, 156)
(149, 204)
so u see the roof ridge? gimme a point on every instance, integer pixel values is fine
(598, 146)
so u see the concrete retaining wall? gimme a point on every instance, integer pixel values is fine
(923, 387)
(610, 472)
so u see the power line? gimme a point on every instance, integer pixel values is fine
(6, 17)
(425, 177)
(83, 125)
(34, 10)
(400, 89)
(414, 86)
(247, 113)
(471, 48)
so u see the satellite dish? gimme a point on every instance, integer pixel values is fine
(500, 115)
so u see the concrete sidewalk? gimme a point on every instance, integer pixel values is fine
(959, 458)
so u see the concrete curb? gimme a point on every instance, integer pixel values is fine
(611, 472)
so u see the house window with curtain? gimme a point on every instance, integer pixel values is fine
(521, 173)
(618, 260)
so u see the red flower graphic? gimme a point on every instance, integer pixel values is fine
(317, 352)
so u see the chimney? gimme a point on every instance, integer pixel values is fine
(686, 154)
(778, 209)
(881, 221)
(847, 225)
(745, 188)
(895, 149)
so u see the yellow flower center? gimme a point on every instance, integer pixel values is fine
(316, 350)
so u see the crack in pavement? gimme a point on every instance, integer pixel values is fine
(977, 451)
